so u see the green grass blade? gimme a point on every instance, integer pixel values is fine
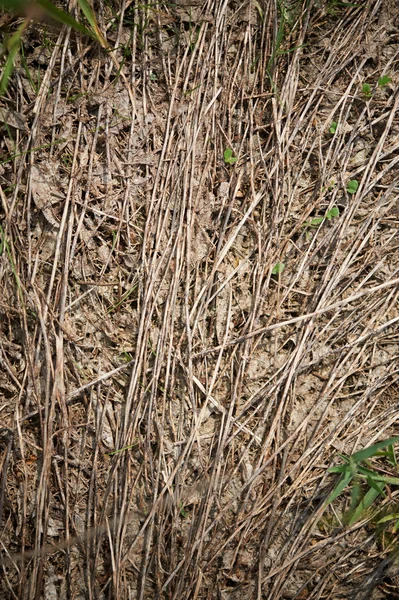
(13, 46)
(387, 479)
(388, 518)
(122, 449)
(90, 16)
(338, 469)
(372, 450)
(356, 495)
(345, 479)
(62, 17)
(378, 478)
(8, 68)
(16, 6)
(373, 484)
(363, 505)
(392, 456)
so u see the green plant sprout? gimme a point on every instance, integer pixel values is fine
(333, 127)
(384, 80)
(366, 89)
(352, 186)
(367, 483)
(229, 159)
(316, 221)
(278, 268)
(381, 82)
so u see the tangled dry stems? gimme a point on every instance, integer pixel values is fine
(171, 408)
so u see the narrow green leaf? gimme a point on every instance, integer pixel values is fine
(88, 12)
(392, 456)
(386, 479)
(388, 518)
(373, 484)
(90, 16)
(364, 504)
(62, 17)
(8, 68)
(259, 9)
(122, 449)
(338, 469)
(371, 450)
(316, 221)
(13, 48)
(356, 494)
(345, 479)
(16, 6)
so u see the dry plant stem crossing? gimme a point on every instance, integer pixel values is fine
(174, 402)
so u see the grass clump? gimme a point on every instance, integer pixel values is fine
(368, 480)
(36, 11)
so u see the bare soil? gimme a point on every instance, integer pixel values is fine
(170, 404)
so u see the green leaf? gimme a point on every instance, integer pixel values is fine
(228, 153)
(229, 159)
(122, 449)
(259, 9)
(17, 6)
(63, 17)
(278, 268)
(373, 484)
(356, 495)
(333, 212)
(372, 450)
(314, 222)
(363, 505)
(13, 48)
(384, 80)
(89, 14)
(352, 186)
(392, 456)
(386, 479)
(333, 127)
(342, 483)
(338, 469)
(366, 89)
(388, 518)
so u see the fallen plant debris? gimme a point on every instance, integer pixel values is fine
(199, 313)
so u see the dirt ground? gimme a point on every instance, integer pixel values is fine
(189, 338)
